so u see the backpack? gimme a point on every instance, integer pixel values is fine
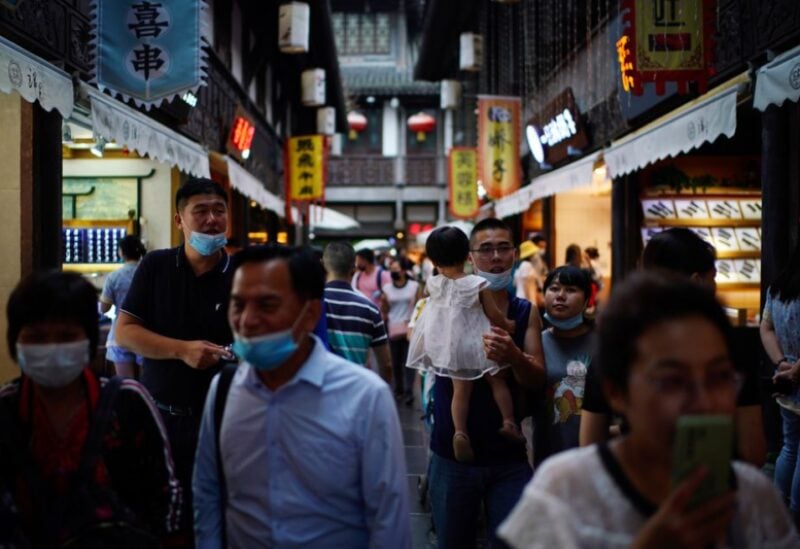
(378, 277)
(89, 515)
(220, 399)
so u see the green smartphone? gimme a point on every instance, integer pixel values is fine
(704, 441)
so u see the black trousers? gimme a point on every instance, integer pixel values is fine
(403, 377)
(183, 432)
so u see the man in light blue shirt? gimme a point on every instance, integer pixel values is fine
(311, 447)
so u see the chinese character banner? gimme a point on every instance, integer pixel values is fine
(305, 167)
(463, 182)
(149, 51)
(498, 144)
(667, 41)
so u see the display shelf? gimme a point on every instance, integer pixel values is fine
(89, 268)
(738, 285)
(689, 223)
(739, 255)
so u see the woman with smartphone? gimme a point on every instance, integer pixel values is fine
(780, 334)
(664, 358)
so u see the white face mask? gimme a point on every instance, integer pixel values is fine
(497, 281)
(53, 364)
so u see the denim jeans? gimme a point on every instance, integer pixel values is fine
(457, 491)
(787, 467)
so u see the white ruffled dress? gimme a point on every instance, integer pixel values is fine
(447, 338)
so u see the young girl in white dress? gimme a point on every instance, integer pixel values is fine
(447, 339)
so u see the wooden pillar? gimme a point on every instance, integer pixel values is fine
(46, 170)
(626, 243)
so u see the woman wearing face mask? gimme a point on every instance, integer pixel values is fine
(567, 354)
(87, 457)
(397, 302)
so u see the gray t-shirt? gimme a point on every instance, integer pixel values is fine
(114, 291)
(566, 362)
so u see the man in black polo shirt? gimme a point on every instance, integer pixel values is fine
(175, 317)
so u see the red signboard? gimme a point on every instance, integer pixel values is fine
(241, 137)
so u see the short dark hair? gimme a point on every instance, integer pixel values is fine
(447, 247)
(538, 238)
(52, 295)
(197, 185)
(573, 255)
(592, 252)
(366, 254)
(490, 223)
(679, 250)
(132, 248)
(645, 300)
(339, 258)
(570, 276)
(305, 270)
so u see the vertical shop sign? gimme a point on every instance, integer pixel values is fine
(498, 144)
(149, 51)
(463, 182)
(306, 166)
(668, 41)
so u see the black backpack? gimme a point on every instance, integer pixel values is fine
(89, 515)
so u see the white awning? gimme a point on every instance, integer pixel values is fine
(778, 80)
(34, 79)
(130, 128)
(572, 176)
(329, 219)
(686, 128)
(247, 184)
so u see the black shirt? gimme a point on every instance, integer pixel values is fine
(171, 301)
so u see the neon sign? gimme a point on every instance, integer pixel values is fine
(241, 138)
(625, 63)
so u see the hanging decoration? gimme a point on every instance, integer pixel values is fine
(667, 42)
(293, 23)
(326, 120)
(498, 144)
(450, 94)
(422, 123)
(305, 158)
(313, 87)
(357, 123)
(470, 52)
(149, 51)
(463, 182)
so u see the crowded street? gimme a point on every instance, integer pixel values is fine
(390, 274)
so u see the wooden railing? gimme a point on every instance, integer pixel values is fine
(375, 170)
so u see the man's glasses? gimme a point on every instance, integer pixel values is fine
(489, 251)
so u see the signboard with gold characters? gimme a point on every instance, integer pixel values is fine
(463, 182)
(305, 167)
(498, 144)
(667, 41)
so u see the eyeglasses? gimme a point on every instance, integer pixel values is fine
(670, 385)
(489, 251)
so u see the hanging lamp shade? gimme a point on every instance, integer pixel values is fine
(293, 24)
(326, 120)
(450, 94)
(357, 123)
(313, 87)
(470, 52)
(422, 123)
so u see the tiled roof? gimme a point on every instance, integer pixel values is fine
(385, 80)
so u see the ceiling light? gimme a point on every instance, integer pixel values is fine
(99, 146)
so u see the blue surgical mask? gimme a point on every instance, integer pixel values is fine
(497, 281)
(53, 365)
(566, 323)
(207, 244)
(267, 352)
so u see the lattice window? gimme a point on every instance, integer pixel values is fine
(362, 33)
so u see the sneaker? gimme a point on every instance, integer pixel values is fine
(462, 449)
(510, 430)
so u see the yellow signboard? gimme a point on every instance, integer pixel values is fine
(498, 144)
(305, 167)
(463, 182)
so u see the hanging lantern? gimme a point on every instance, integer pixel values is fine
(326, 120)
(293, 19)
(313, 84)
(357, 123)
(470, 53)
(450, 94)
(421, 123)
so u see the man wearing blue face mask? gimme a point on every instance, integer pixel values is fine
(174, 316)
(309, 451)
(500, 470)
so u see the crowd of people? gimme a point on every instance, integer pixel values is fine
(263, 414)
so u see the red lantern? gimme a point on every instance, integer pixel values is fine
(421, 123)
(357, 123)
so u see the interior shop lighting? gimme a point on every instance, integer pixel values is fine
(99, 147)
(371, 99)
(190, 99)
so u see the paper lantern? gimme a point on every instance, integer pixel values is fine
(422, 123)
(293, 22)
(326, 120)
(313, 87)
(357, 123)
(470, 52)
(450, 94)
